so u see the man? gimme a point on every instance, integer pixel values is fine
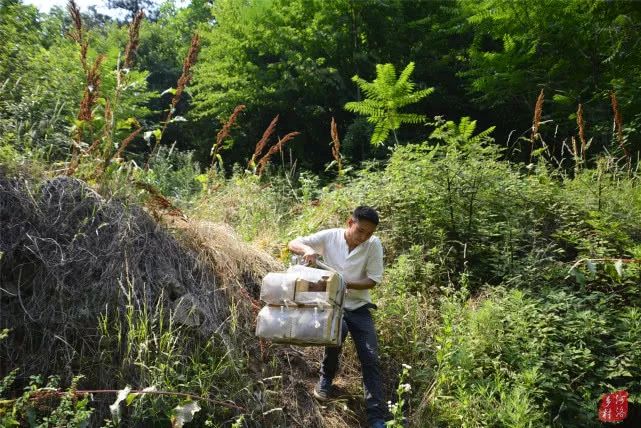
(358, 256)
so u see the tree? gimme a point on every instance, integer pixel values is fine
(276, 57)
(386, 95)
(579, 50)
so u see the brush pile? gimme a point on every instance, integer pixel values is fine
(69, 256)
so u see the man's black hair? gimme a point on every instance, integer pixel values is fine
(366, 213)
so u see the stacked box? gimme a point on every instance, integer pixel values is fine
(304, 307)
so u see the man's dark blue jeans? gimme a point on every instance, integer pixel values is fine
(360, 324)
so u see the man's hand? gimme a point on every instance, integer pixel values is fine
(308, 254)
(310, 257)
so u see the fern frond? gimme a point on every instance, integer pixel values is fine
(482, 135)
(405, 74)
(414, 98)
(385, 95)
(410, 118)
(381, 132)
(365, 107)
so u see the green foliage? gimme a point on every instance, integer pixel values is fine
(579, 50)
(19, 28)
(44, 406)
(259, 208)
(461, 134)
(506, 288)
(272, 56)
(511, 357)
(469, 210)
(155, 351)
(34, 111)
(175, 174)
(396, 410)
(385, 96)
(408, 316)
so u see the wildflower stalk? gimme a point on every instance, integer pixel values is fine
(581, 124)
(536, 120)
(260, 146)
(336, 147)
(183, 81)
(121, 82)
(91, 91)
(224, 133)
(134, 39)
(274, 149)
(396, 409)
(618, 127)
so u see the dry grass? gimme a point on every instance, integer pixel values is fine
(225, 252)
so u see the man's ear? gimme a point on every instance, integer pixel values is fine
(350, 221)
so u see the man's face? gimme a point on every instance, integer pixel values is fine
(358, 231)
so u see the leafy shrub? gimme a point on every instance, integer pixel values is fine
(175, 174)
(524, 358)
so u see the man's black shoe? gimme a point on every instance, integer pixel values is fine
(322, 389)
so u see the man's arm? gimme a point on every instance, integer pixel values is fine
(308, 253)
(363, 284)
(373, 268)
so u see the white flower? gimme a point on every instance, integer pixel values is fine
(406, 387)
(407, 366)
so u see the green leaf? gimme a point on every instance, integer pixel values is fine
(128, 123)
(578, 276)
(131, 396)
(561, 99)
(330, 165)
(171, 91)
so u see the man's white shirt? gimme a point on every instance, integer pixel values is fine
(364, 261)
